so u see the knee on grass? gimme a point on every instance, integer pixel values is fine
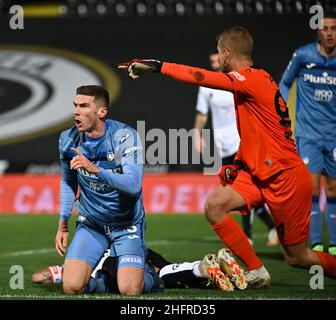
(297, 262)
(74, 288)
(130, 289)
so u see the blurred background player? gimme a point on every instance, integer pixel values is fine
(221, 105)
(103, 159)
(314, 67)
(226, 137)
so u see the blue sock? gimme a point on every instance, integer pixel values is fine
(148, 283)
(316, 222)
(96, 285)
(331, 220)
(152, 281)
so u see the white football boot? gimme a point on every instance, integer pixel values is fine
(258, 278)
(232, 269)
(210, 269)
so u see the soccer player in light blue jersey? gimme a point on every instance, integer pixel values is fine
(314, 67)
(103, 159)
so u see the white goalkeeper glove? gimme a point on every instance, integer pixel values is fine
(136, 68)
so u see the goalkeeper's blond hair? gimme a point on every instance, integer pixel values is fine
(237, 40)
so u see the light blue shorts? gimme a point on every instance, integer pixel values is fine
(127, 243)
(319, 156)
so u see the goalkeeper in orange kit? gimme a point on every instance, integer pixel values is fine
(267, 169)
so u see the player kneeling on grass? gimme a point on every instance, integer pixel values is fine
(219, 270)
(103, 158)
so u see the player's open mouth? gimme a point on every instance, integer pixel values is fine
(78, 122)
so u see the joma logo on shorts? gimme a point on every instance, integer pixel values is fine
(129, 259)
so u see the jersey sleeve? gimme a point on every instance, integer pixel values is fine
(198, 76)
(290, 74)
(129, 155)
(202, 104)
(69, 183)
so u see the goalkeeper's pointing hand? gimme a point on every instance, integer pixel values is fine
(136, 68)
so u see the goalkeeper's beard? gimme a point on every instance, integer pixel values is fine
(225, 67)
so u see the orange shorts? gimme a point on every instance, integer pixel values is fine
(288, 195)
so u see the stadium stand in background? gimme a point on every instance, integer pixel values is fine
(54, 28)
(143, 8)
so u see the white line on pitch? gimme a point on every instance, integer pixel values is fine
(149, 243)
(27, 252)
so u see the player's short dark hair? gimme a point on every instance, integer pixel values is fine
(237, 39)
(98, 92)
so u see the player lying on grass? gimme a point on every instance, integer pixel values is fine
(267, 166)
(217, 269)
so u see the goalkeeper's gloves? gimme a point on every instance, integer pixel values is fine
(228, 173)
(136, 68)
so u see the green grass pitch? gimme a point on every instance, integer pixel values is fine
(28, 241)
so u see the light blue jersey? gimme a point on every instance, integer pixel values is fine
(113, 197)
(316, 92)
(315, 125)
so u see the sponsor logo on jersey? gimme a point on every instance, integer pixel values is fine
(323, 95)
(37, 87)
(325, 79)
(99, 187)
(239, 76)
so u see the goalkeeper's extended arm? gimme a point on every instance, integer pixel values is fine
(138, 67)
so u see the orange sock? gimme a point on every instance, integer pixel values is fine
(328, 263)
(235, 239)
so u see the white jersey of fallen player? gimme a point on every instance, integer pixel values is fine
(168, 269)
(221, 105)
(178, 267)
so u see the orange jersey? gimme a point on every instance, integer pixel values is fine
(266, 145)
